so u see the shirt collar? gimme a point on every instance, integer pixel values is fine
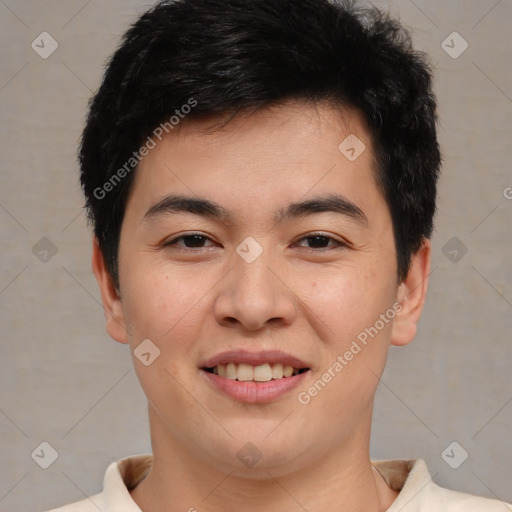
(410, 478)
(120, 478)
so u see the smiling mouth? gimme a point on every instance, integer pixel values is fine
(261, 373)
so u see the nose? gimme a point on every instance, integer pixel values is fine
(256, 294)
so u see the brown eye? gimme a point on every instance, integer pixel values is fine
(191, 241)
(321, 241)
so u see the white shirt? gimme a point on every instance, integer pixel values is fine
(417, 491)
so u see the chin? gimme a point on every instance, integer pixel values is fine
(255, 456)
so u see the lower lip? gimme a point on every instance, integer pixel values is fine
(255, 392)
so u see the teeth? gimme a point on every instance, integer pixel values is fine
(245, 372)
(277, 371)
(262, 373)
(231, 371)
(288, 371)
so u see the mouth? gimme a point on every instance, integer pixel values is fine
(265, 372)
(255, 377)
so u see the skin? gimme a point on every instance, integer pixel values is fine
(305, 299)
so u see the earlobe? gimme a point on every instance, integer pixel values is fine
(411, 296)
(112, 306)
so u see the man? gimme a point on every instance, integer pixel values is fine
(261, 179)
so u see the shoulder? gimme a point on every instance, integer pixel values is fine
(91, 504)
(120, 477)
(418, 493)
(453, 501)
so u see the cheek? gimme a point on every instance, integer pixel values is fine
(344, 302)
(164, 309)
(347, 311)
(163, 306)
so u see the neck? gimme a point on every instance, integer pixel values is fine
(342, 481)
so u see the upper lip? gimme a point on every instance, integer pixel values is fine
(254, 358)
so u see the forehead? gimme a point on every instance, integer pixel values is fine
(257, 160)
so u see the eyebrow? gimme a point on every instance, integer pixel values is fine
(334, 203)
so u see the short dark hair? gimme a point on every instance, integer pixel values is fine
(230, 56)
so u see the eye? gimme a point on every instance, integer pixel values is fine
(319, 241)
(190, 241)
(194, 242)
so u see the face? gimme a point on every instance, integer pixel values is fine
(289, 268)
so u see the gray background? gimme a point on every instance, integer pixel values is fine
(63, 381)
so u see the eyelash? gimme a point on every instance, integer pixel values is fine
(174, 241)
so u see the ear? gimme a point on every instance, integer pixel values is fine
(112, 306)
(411, 296)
